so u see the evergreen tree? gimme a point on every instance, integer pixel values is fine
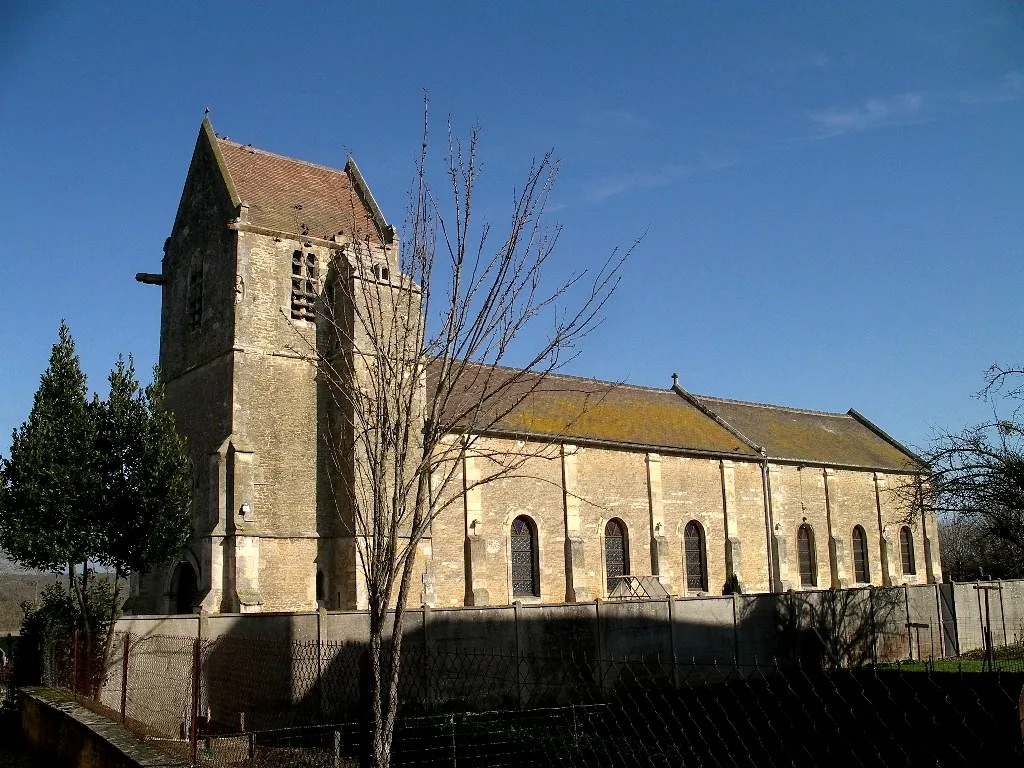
(49, 487)
(104, 482)
(145, 475)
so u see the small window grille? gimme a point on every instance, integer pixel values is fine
(305, 286)
(696, 557)
(524, 557)
(860, 556)
(805, 554)
(195, 297)
(907, 551)
(616, 556)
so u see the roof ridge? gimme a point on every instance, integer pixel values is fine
(772, 405)
(574, 377)
(278, 155)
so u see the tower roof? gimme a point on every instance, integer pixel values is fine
(297, 197)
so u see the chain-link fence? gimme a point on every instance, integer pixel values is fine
(256, 701)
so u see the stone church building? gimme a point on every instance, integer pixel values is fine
(699, 492)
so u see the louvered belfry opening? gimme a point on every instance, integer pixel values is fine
(696, 557)
(524, 558)
(616, 559)
(805, 553)
(305, 286)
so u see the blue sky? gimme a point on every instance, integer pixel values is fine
(832, 193)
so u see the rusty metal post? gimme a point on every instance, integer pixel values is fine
(74, 663)
(124, 675)
(193, 725)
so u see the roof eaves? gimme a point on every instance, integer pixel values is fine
(386, 230)
(888, 438)
(214, 142)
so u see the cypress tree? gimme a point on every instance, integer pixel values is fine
(49, 488)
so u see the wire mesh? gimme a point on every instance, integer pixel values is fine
(256, 701)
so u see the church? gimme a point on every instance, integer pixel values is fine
(650, 492)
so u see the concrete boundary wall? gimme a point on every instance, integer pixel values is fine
(870, 624)
(63, 732)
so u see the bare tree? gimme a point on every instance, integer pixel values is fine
(977, 485)
(416, 364)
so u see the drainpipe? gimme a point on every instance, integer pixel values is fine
(766, 491)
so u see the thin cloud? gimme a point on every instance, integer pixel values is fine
(615, 120)
(1010, 88)
(874, 113)
(612, 184)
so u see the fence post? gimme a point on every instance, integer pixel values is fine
(124, 675)
(74, 663)
(874, 625)
(672, 642)
(910, 632)
(735, 632)
(193, 733)
(941, 622)
(1002, 611)
(321, 616)
(428, 663)
(516, 607)
(600, 650)
(454, 758)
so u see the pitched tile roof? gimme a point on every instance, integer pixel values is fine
(298, 197)
(571, 409)
(812, 436)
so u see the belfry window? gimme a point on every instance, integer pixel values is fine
(806, 556)
(860, 556)
(695, 553)
(907, 551)
(524, 557)
(305, 286)
(195, 297)
(616, 553)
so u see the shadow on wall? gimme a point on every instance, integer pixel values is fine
(515, 656)
(263, 671)
(841, 628)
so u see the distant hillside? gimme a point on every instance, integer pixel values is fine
(16, 586)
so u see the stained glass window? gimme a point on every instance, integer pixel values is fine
(696, 557)
(907, 551)
(616, 557)
(805, 554)
(860, 556)
(524, 557)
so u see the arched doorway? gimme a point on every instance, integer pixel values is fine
(184, 588)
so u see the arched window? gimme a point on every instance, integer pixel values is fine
(696, 556)
(806, 556)
(860, 556)
(184, 588)
(524, 557)
(907, 551)
(616, 553)
(319, 585)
